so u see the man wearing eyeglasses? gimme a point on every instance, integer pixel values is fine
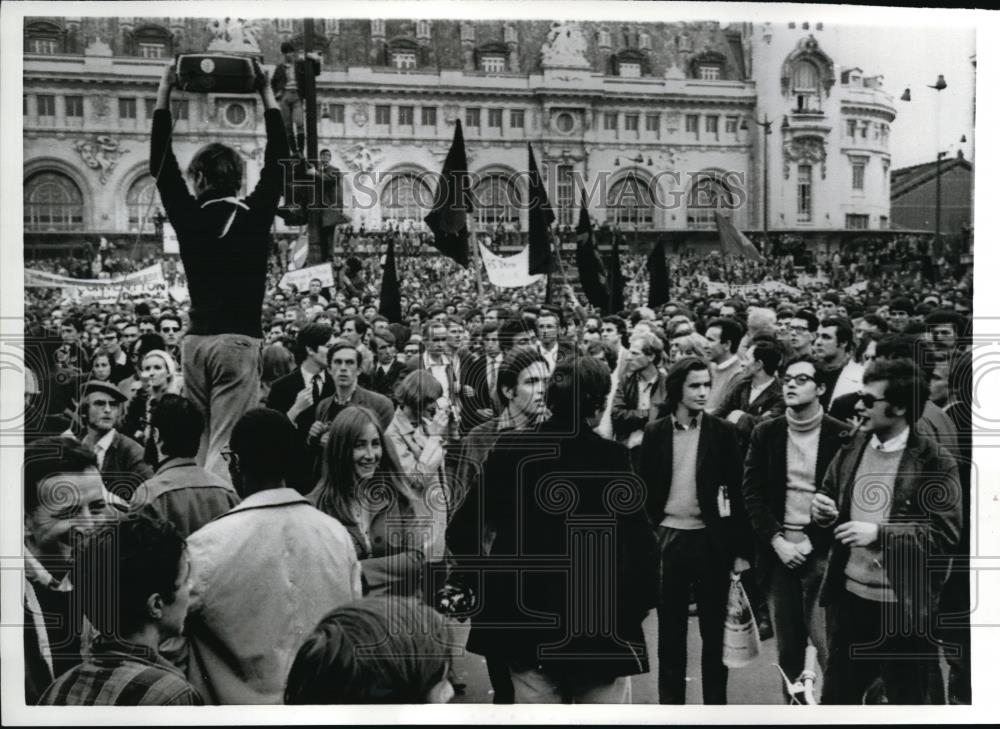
(893, 502)
(801, 332)
(787, 458)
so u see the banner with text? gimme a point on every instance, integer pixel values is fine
(508, 271)
(301, 277)
(149, 280)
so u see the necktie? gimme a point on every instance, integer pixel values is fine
(492, 376)
(317, 388)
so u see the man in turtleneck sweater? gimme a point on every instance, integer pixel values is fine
(788, 456)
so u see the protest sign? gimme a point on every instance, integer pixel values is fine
(300, 278)
(508, 271)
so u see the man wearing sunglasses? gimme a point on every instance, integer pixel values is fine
(786, 461)
(893, 501)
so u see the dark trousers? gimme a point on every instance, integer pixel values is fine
(955, 632)
(862, 655)
(689, 560)
(793, 596)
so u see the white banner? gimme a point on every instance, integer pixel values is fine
(301, 278)
(148, 280)
(508, 271)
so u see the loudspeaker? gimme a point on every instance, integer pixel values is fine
(216, 73)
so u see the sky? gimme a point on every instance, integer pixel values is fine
(914, 57)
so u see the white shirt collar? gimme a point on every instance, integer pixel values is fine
(307, 378)
(892, 445)
(760, 388)
(728, 363)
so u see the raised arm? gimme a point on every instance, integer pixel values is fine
(177, 200)
(270, 186)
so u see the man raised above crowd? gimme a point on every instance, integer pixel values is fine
(223, 244)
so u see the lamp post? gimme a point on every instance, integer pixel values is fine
(939, 86)
(766, 125)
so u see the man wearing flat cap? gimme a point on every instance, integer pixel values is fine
(119, 458)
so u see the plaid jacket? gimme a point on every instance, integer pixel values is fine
(121, 674)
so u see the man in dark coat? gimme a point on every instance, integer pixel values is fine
(893, 500)
(691, 466)
(787, 459)
(553, 494)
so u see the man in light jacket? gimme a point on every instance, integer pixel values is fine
(264, 572)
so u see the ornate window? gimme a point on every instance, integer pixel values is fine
(143, 201)
(708, 66)
(383, 115)
(405, 197)
(510, 33)
(708, 195)
(645, 41)
(404, 60)
(630, 203)
(804, 210)
(492, 64)
(52, 201)
(604, 38)
(468, 32)
(149, 41)
(406, 116)
(44, 38)
(423, 29)
(378, 27)
(629, 64)
(858, 165)
(496, 200)
(805, 73)
(428, 116)
(74, 106)
(517, 118)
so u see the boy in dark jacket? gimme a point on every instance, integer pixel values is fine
(224, 244)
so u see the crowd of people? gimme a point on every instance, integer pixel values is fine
(548, 472)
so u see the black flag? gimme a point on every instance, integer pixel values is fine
(659, 276)
(540, 217)
(593, 275)
(452, 203)
(389, 304)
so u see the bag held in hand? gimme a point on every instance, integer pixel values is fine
(741, 641)
(216, 73)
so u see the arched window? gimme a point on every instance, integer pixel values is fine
(805, 76)
(406, 197)
(152, 41)
(43, 37)
(52, 201)
(630, 202)
(496, 200)
(143, 202)
(708, 194)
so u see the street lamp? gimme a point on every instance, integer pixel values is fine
(766, 124)
(939, 85)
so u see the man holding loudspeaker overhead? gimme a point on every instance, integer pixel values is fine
(223, 243)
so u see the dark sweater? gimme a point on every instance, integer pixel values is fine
(226, 274)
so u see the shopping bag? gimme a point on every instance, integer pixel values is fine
(741, 641)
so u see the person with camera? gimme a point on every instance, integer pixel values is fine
(224, 245)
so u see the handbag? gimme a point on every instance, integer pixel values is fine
(741, 639)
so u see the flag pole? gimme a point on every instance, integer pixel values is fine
(474, 243)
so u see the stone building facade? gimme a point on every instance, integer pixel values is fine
(649, 119)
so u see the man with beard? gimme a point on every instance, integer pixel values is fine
(119, 458)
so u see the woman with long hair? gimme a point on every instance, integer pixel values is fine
(363, 487)
(100, 367)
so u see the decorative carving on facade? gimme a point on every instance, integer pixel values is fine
(100, 153)
(808, 49)
(565, 47)
(804, 150)
(102, 106)
(233, 35)
(360, 115)
(360, 158)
